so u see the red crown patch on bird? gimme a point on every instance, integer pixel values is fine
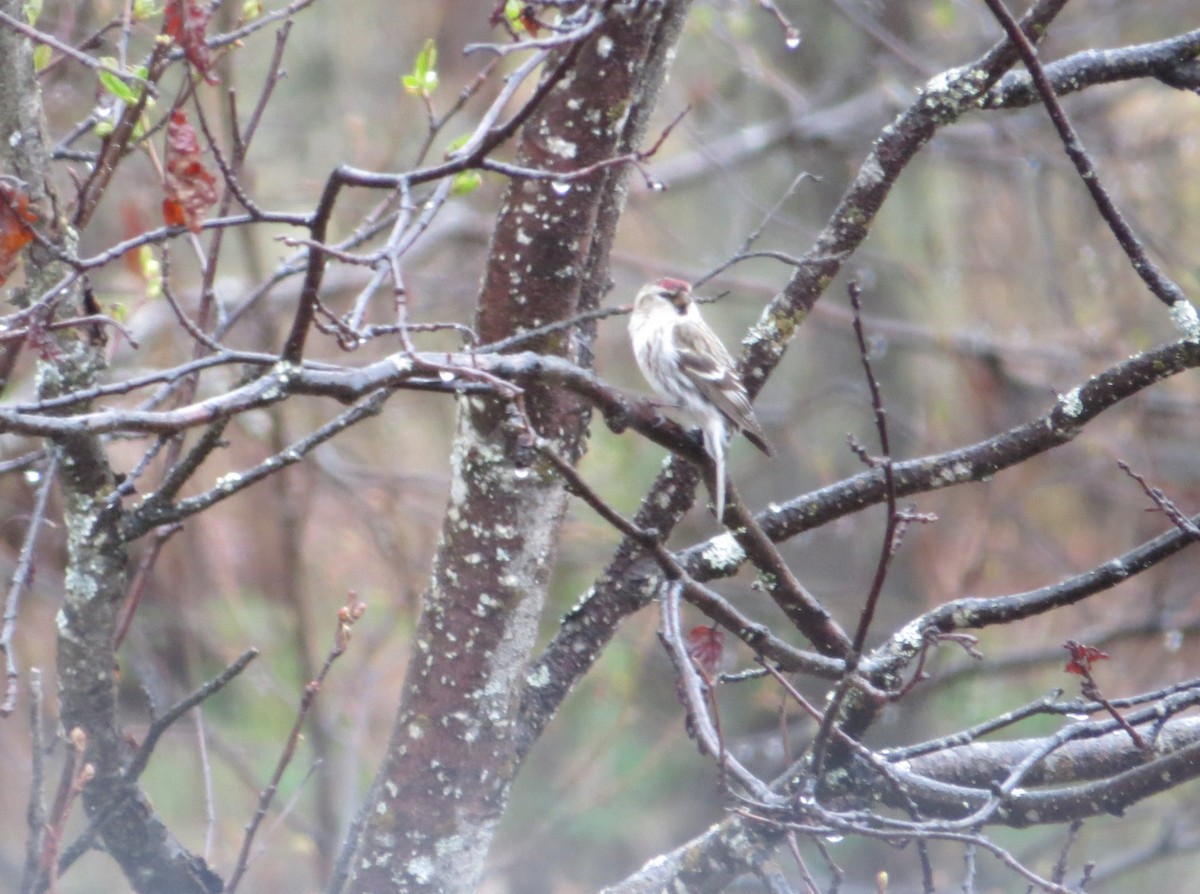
(673, 285)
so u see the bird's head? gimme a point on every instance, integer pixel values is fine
(666, 291)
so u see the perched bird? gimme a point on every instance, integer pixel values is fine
(685, 362)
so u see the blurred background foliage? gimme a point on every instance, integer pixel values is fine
(990, 283)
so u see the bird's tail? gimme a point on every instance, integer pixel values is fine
(716, 438)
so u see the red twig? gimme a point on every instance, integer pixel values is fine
(75, 776)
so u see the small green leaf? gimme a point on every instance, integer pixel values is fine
(42, 56)
(465, 182)
(251, 10)
(427, 58)
(103, 129)
(456, 144)
(114, 84)
(144, 9)
(151, 271)
(424, 77)
(32, 10)
(514, 10)
(117, 87)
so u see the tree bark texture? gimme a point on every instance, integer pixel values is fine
(432, 810)
(95, 579)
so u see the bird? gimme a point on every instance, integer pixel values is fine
(687, 365)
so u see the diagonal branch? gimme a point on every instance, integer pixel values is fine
(1165, 289)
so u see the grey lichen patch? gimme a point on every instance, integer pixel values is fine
(421, 869)
(909, 637)
(539, 677)
(561, 147)
(81, 584)
(1185, 318)
(229, 482)
(955, 473)
(63, 623)
(1065, 421)
(951, 93)
(1070, 404)
(871, 171)
(724, 553)
(285, 372)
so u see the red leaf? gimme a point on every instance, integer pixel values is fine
(15, 232)
(529, 21)
(1082, 658)
(706, 645)
(189, 189)
(186, 21)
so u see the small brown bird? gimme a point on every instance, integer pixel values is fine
(685, 362)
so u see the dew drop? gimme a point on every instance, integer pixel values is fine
(33, 476)
(1173, 640)
(446, 375)
(792, 40)
(834, 839)
(560, 188)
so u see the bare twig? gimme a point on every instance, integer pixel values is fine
(1163, 503)
(1163, 287)
(141, 579)
(886, 552)
(693, 690)
(756, 636)
(347, 616)
(141, 758)
(35, 810)
(75, 776)
(22, 574)
(69, 51)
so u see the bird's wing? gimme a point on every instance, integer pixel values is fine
(709, 366)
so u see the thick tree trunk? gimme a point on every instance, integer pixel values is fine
(430, 816)
(153, 861)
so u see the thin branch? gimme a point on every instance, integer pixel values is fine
(21, 577)
(757, 636)
(35, 810)
(75, 775)
(141, 758)
(1158, 282)
(69, 51)
(137, 764)
(693, 689)
(1163, 503)
(347, 616)
(155, 511)
(886, 552)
